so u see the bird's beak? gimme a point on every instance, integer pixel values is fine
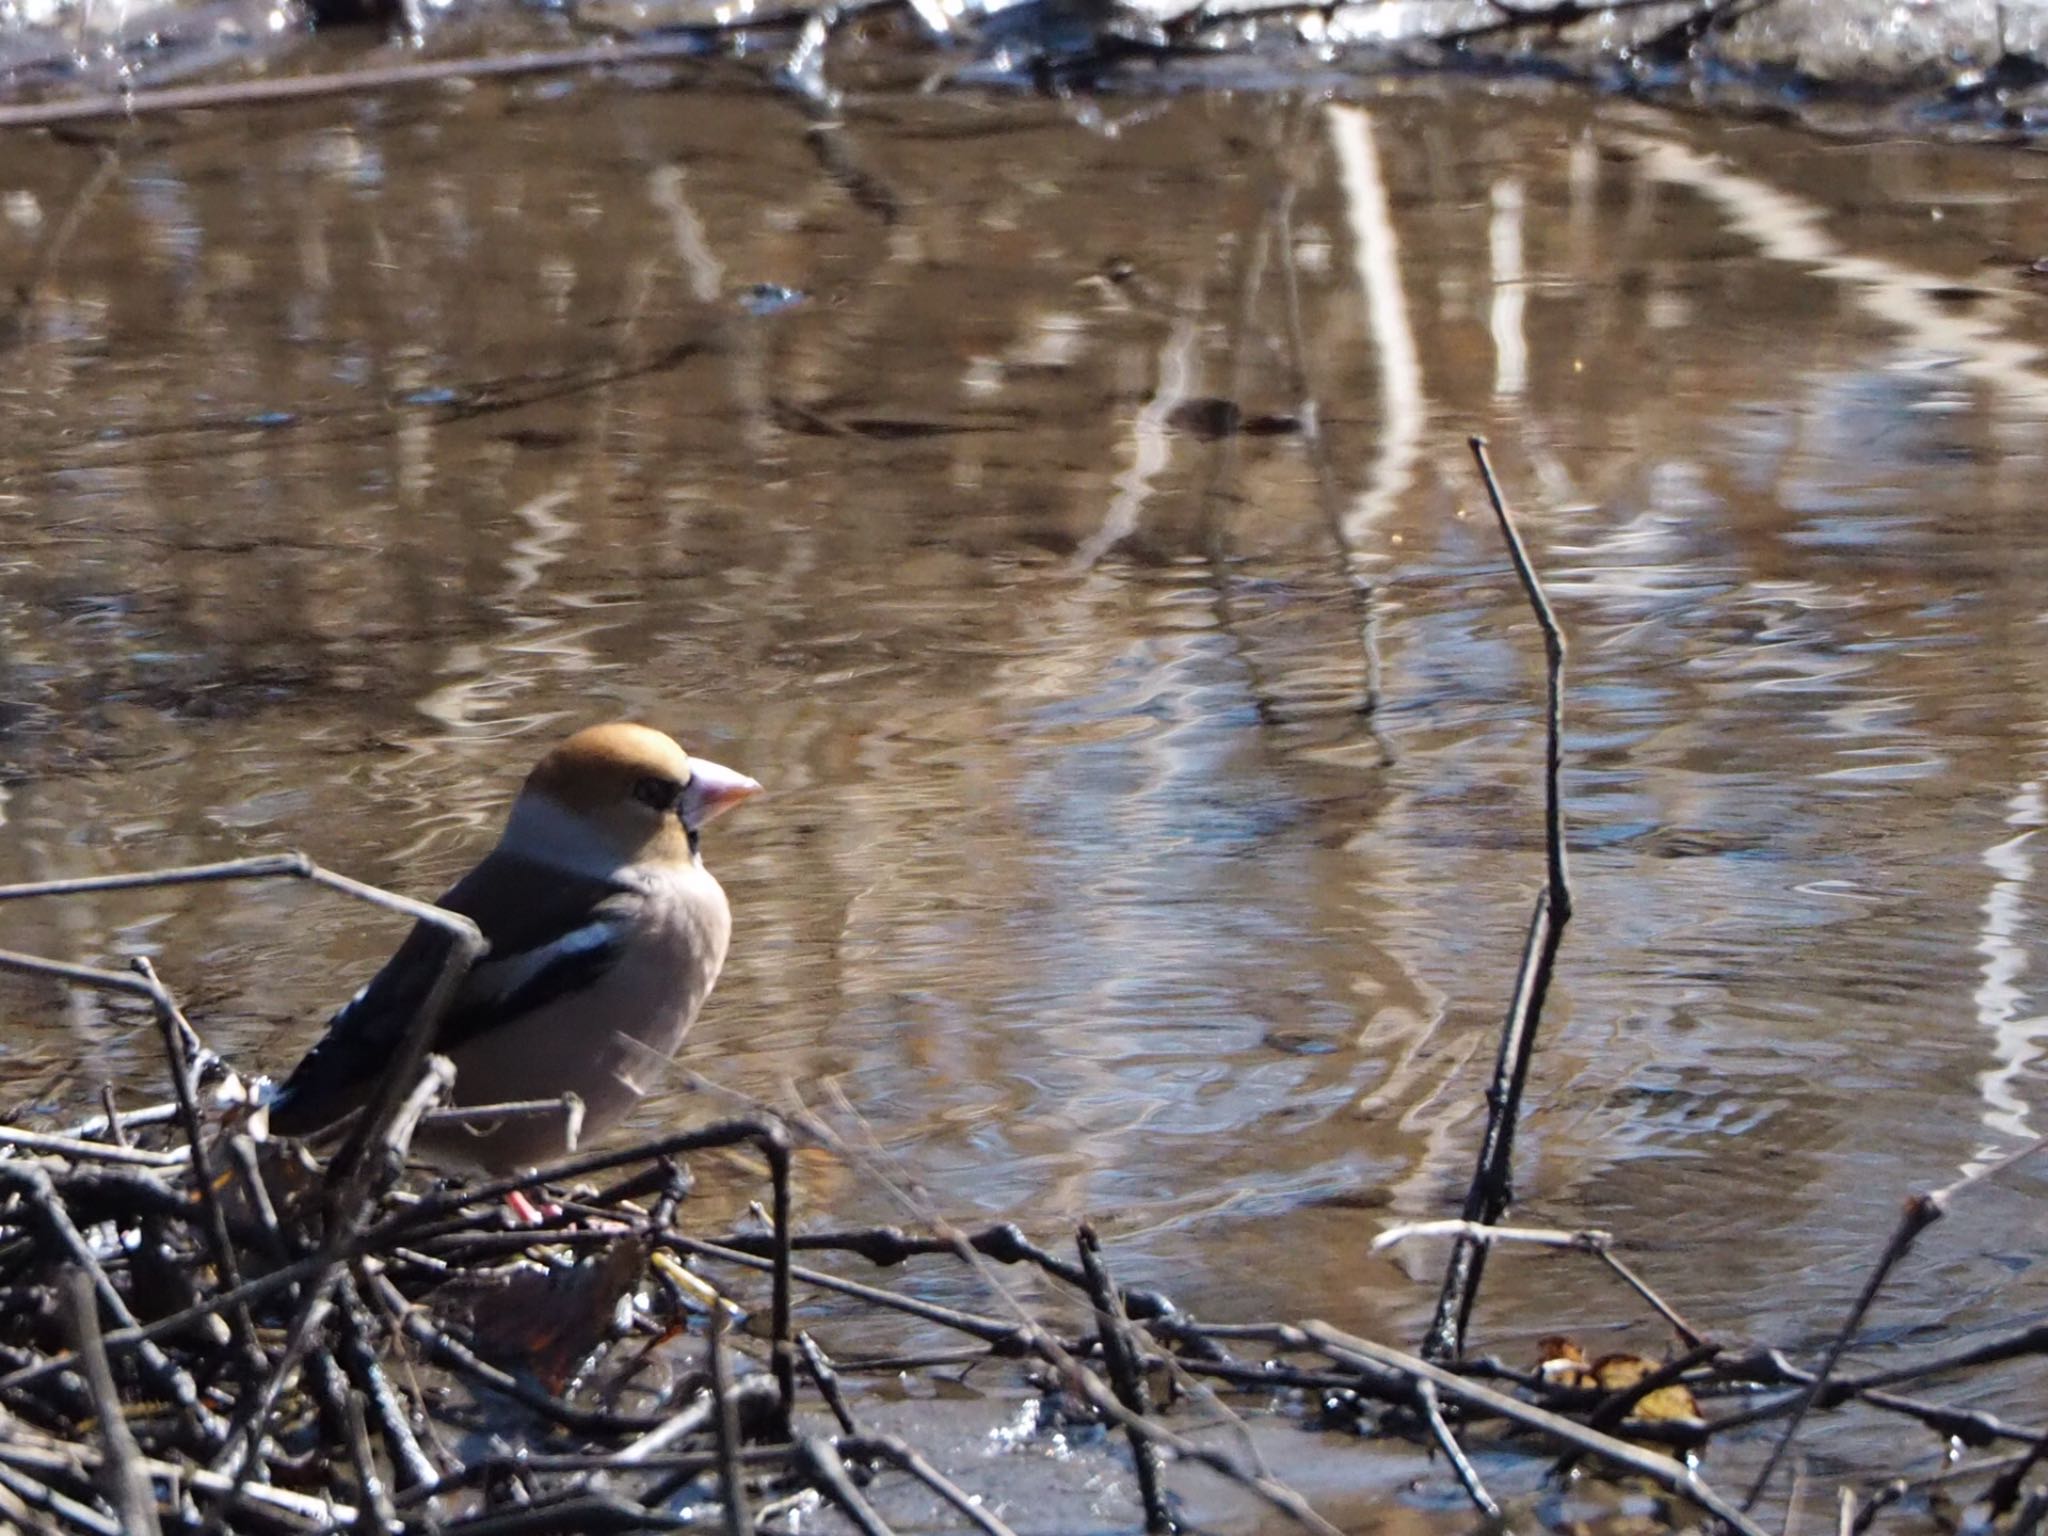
(713, 790)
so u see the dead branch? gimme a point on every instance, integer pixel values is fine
(1492, 1189)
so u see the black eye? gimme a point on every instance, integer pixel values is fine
(658, 793)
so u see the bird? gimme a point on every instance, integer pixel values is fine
(606, 934)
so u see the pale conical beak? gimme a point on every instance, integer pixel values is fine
(712, 791)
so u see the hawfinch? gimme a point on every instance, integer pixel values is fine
(606, 934)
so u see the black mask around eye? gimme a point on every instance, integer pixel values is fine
(657, 793)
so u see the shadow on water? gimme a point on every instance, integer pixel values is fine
(1071, 524)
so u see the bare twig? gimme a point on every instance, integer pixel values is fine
(410, 1463)
(1476, 1232)
(349, 1418)
(1431, 1408)
(1125, 1379)
(1691, 1336)
(732, 1484)
(695, 1419)
(826, 1381)
(905, 1458)
(1005, 1338)
(122, 1474)
(88, 1151)
(1491, 1191)
(176, 1031)
(820, 1459)
(1673, 1476)
(1919, 1213)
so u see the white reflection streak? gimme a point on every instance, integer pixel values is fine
(1510, 290)
(1151, 442)
(707, 277)
(1378, 258)
(1788, 228)
(490, 673)
(532, 555)
(2016, 1041)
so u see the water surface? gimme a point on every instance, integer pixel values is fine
(1064, 510)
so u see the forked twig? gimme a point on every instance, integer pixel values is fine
(1920, 1212)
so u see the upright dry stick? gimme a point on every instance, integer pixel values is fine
(1492, 1188)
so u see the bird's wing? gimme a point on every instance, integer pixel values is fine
(550, 933)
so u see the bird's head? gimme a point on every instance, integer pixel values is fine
(620, 794)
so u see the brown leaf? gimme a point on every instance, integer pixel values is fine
(1617, 1373)
(545, 1321)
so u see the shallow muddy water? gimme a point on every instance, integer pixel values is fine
(1065, 512)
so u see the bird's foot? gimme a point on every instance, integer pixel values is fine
(525, 1213)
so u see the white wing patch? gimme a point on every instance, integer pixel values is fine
(497, 980)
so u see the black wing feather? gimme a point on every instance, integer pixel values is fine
(336, 1076)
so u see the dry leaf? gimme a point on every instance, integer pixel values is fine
(546, 1320)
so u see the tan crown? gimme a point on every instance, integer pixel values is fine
(598, 766)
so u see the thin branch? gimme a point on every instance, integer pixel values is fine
(1492, 1189)
(1918, 1214)
(89, 1151)
(1126, 1380)
(1673, 1476)
(827, 1382)
(125, 1479)
(1472, 1231)
(821, 1461)
(732, 1484)
(1431, 1408)
(176, 1032)
(1691, 1336)
(905, 1458)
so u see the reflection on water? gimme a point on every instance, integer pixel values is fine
(353, 453)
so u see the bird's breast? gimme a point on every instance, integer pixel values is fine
(610, 1042)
